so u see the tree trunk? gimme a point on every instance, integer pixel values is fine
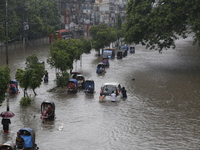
(24, 93)
(34, 92)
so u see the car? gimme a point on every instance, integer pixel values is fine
(108, 87)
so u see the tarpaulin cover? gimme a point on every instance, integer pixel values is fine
(28, 141)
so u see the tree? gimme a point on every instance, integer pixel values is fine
(64, 52)
(12, 18)
(41, 15)
(119, 28)
(119, 23)
(62, 55)
(113, 36)
(38, 14)
(102, 36)
(158, 25)
(4, 80)
(86, 45)
(32, 75)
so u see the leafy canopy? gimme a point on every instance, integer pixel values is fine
(32, 75)
(158, 25)
(39, 14)
(4, 79)
(102, 36)
(63, 53)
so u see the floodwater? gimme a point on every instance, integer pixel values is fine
(160, 113)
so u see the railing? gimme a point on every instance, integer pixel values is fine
(16, 45)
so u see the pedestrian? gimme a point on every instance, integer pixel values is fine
(5, 122)
(46, 76)
(19, 141)
(123, 92)
(101, 97)
(113, 96)
(119, 87)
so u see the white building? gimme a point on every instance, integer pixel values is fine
(110, 9)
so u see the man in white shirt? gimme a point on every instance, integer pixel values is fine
(113, 96)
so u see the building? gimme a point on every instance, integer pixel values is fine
(79, 14)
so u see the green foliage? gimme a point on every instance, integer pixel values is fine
(25, 101)
(51, 30)
(22, 77)
(119, 23)
(119, 28)
(59, 57)
(39, 14)
(75, 48)
(4, 79)
(62, 79)
(62, 55)
(32, 75)
(64, 52)
(86, 45)
(12, 18)
(42, 15)
(113, 35)
(160, 25)
(102, 36)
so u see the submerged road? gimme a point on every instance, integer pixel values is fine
(160, 113)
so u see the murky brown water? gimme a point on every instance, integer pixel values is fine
(160, 113)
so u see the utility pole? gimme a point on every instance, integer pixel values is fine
(7, 32)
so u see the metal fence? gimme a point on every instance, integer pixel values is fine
(17, 45)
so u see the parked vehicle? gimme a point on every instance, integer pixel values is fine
(81, 79)
(72, 86)
(100, 68)
(47, 110)
(108, 52)
(105, 61)
(132, 49)
(108, 87)
(28, 135)
(89, 86)
(61, 34)
(13, 87)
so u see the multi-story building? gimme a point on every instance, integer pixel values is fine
(110, 9)
(80, 13)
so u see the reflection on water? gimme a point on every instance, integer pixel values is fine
(48, 126)
(161, 111)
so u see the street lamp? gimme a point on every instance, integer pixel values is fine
(7, 32)
(25, 28)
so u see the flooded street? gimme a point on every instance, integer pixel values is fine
(160, 113)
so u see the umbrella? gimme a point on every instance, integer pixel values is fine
(7, 114)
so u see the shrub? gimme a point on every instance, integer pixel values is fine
(2, 98)
(25, 101)
(62, 79)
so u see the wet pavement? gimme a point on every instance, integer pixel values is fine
(160, 113)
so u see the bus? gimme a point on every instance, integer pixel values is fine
(61, 34)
